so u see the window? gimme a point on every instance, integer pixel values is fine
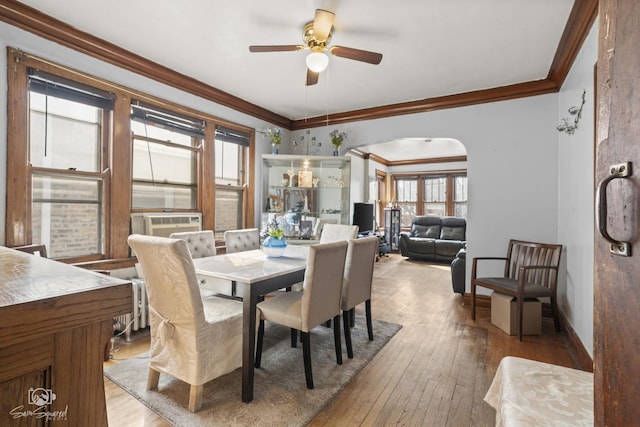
(67, 123)
(440, 194)
(460, 195)
(165, 159)
(435, 195)
(231, 162)
(407, 198)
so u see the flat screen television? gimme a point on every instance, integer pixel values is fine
(363, 217)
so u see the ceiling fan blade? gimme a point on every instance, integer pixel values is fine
(322, 24)
(356, 54)
(312, 77)
(276, 48)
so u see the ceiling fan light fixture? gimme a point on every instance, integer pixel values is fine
(317, 62)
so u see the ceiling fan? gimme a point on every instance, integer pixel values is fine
(316, 36)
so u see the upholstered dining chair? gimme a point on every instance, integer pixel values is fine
(337, 232)
(356, 285)
(318, 302)
(193, 339)
(241, 240)
(200, 243)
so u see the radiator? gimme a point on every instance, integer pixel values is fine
(139, 316)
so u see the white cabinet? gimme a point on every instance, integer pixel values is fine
(305, 192)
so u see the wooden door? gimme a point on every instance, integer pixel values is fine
(617, 278)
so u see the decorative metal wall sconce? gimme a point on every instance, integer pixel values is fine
(310, 145)
(574, 111)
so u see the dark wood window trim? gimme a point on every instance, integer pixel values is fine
(118, 169)
(449, 174)
(382, 196)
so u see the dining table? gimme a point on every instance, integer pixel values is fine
(253, 274)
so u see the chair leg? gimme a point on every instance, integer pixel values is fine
(195, 397)
(306, 354)
(473, 301)
(367, 308)
(352, 317)
(294, 338)
(347, 333)
(259, 342)
(520, 315)
(337, 339)
(152, 379)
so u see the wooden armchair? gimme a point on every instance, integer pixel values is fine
(530, 271)
(40, 250)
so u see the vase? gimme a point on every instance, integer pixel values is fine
(336, 153)
(274, 149)
(274, 247)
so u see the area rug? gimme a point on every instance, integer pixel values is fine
(281, 397)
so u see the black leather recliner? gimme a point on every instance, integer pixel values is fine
(458, 271)
(434, 238)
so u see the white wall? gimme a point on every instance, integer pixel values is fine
(576, 185)
(360, 183)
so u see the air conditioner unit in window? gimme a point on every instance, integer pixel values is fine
(163, 224)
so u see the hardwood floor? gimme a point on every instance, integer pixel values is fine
(434, 372)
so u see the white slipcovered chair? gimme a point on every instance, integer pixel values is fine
(356, 286)
(193, 339)
(200, 243)
(318, 302)
(337, 232)
(241, 240)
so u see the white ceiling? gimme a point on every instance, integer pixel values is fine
(430, 48)
(406, 149)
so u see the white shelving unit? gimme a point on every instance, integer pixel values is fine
(305, 192)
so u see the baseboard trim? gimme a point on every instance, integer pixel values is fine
(575, 345)
(576, 348)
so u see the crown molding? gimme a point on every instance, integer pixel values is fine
(581, 19)
(388, 163)
(519, 90)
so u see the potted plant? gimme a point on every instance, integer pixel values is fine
(274, 244)
(336, 139)
(275, 136)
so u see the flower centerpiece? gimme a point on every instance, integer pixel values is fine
(275, 136)
(274, 243)
(336, 139)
